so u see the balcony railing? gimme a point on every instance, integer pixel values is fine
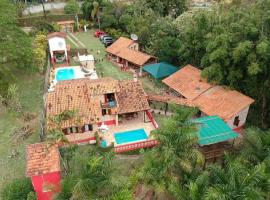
(110, 104)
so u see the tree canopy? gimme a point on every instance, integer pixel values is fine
(12, 39)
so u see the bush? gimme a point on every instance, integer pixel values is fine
(72, 7)
(116, 33)
(31, 196)
(39, 50)
(17, 189)
(43, 26)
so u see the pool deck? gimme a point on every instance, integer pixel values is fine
(127, 125)
(78, 73)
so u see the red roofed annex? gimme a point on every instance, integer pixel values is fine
(125, 52)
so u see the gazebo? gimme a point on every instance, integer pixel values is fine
(160, 70)
(214, 135)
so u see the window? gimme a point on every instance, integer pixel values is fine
(88, 127)
(106, 112)
(236, 121)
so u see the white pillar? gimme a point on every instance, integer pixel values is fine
(116, 119)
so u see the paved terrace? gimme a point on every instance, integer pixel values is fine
(126, 125)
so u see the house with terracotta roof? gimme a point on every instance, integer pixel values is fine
(125, 53)
(59, 51)
(230, 105)
(43, 167)
(105, 104)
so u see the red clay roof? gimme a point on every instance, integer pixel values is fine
(212, 100)
(85, 95)
(42, 159)
(222, 102)
(80, 95)
(57, 34)
(131, 97)
(187, 81)
(121, 49)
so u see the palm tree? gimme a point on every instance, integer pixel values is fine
(90, 175)
(238, 181)
(176, 155)
(256, 145)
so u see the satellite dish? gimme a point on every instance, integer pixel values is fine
(134, 37)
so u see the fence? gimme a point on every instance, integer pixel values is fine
(134, 146)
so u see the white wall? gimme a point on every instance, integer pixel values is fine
(242, 117)
(54, 45)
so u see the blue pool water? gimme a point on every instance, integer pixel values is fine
(130, 136)
(65, 74)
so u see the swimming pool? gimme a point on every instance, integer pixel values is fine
(65, 74)
(130, 136)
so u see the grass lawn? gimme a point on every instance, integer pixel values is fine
(106, 69)
(31, 99)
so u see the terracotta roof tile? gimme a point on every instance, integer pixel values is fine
(222, 102)
(187, 81)
(80, 95)
(131, 97)
(84, 96)
(57, 34)
(121, 49)
(119, 44)
(42, 159)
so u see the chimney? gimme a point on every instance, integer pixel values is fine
(135, 77)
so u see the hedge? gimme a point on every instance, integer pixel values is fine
(30, 20)
(75, 51)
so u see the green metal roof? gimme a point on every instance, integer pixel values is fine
(160, 70)
(213, 129)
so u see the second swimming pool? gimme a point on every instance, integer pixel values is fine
(65, 74)
(130, 136)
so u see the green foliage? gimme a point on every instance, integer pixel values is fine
(12, 100)
(45, 27)
(89, 175)
(17, 189)
(256, 145)
(116, 33)
(31, 196)
(72, 7)
(176, 155)
(40, 48)
(12, 38)
(124, 194)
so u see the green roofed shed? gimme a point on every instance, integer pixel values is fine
(160, 70)
(212, 130)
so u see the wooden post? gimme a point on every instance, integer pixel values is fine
(166, 108)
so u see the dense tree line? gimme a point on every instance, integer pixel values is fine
(230, 42)
(15, 46)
